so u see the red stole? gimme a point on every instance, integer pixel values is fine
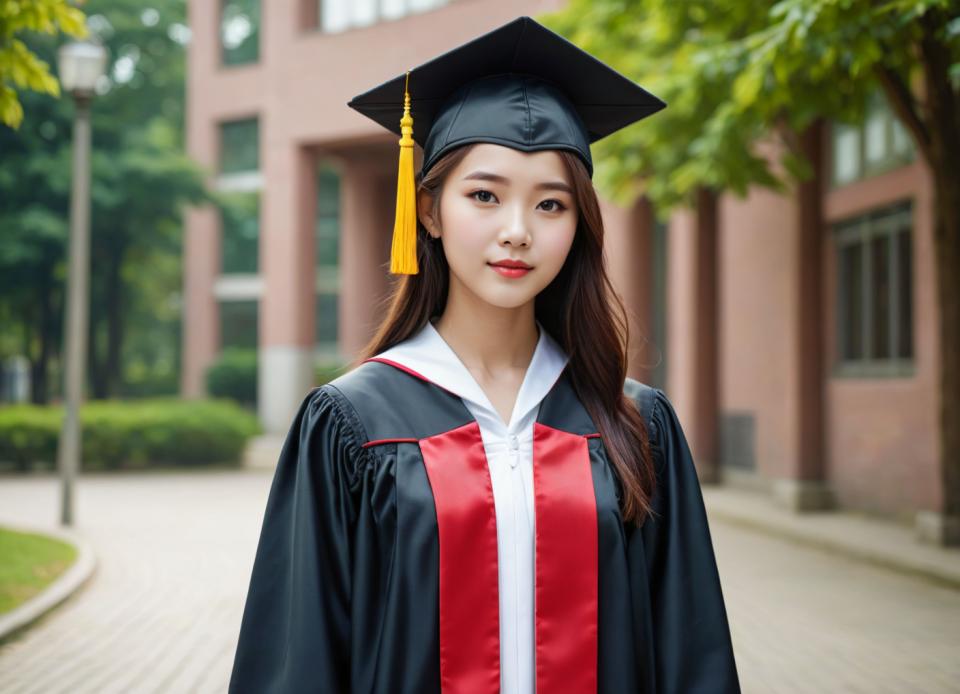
(566, 562)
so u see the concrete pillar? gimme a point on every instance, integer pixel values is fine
(201, 324)
(201, 242)
(628, 248)
(287, 262)
(805, 487)
(367, 207)
(692, 376)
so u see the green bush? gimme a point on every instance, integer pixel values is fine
(234, 375)
(136, 434)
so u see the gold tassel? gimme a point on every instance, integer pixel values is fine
(403, 254)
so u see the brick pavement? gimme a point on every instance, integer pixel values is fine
(162, 612)
(807, 621)
(175, 551)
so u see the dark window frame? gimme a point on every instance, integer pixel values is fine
(226, 131)
(327, 273)
(240, 55)
(859, 235)
(239, 253)
(234, 313)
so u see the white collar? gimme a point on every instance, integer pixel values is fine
(428, 354)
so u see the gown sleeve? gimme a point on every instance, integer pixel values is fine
(295, 633)
(692, 646)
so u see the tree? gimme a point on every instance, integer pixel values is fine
(735, 73)
(19, 64)
(140, 180)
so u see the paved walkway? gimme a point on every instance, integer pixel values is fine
(163, 610)
(175, 552)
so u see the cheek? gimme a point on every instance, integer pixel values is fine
(465, 232)
(554, 244)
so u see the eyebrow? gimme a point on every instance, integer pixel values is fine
(496, 178)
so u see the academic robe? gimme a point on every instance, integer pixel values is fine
(376, 570)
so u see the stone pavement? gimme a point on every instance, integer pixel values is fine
(878, 541)
(175, 552)
(162, 612)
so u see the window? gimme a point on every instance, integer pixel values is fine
(239, 31)
(238, 324)
(239, 146)
(340, 15)
(328, 259)
(874, 293)
(240, 226)
(878, 144)
(239, 183)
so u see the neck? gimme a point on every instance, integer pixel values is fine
(488, 338)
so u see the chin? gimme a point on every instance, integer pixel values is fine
(506, 294)
(504, 297)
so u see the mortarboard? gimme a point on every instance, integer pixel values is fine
(520, 85)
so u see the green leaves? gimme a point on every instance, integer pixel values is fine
(734, 73)
(141, 179)
(17, 63)
(124, 434)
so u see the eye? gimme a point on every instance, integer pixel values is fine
(557, 205)
(482, 195)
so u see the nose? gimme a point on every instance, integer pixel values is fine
(515, 231)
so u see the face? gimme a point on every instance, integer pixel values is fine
(500, 204)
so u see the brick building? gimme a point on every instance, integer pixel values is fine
(795, 333)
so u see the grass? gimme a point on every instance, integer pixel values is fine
(28, 564)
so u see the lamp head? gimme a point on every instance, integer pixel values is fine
(81, 64)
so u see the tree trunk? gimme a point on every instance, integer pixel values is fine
(947, 248)
(944, 129)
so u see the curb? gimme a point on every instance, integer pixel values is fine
(58, 591)
(939, 575)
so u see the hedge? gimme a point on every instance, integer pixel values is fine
(134, 434)
(234, 375)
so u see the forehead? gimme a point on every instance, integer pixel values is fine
(513, 164)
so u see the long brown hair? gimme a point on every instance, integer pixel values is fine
(580, 309)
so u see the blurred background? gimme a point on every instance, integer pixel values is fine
(785, 235)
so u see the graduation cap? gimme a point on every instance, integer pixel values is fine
(520, 85)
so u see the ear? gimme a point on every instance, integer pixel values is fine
(425, 212)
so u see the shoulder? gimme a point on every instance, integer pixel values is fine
(655, 408)
(325, 409)
(642, 394)
(387, 402)
(325, 438)
(352, 399)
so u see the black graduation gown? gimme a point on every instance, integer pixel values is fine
(373, 576)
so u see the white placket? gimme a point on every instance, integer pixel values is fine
(519, 457)
(513, 457)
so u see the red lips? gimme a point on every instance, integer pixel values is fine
(512, 263)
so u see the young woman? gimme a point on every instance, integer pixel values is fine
(486, 503)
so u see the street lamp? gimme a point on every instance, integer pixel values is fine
(80, 64)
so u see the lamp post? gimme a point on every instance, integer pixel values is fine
(80, 64)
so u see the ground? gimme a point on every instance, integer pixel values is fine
(31, 562)
(175, 550)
